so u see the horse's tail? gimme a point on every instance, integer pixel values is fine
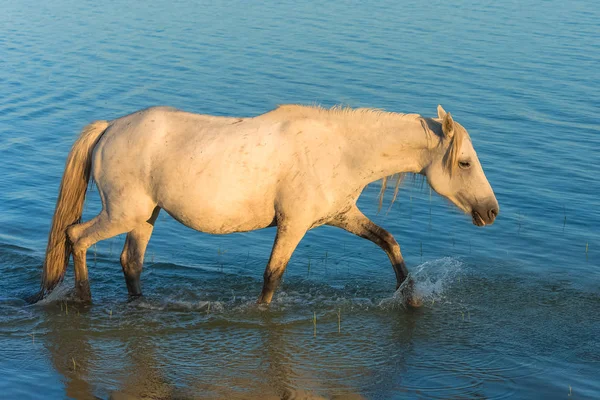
(69, 205)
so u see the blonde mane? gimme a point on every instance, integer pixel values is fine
(302, 111)
(450, 161)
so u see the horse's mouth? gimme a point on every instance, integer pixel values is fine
(477, 220)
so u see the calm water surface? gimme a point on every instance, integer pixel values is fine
(510, 310)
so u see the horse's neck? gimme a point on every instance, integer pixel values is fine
(388, 145)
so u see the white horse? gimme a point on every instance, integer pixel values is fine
(295, 168)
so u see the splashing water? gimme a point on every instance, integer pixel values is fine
(431, 280)
(62, 292)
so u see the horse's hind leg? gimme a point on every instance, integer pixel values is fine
(132, 257)
(84, 235)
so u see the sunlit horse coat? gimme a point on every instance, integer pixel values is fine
(295, 168)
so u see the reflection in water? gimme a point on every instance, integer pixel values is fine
(186, 346)
(81, 353)
(68, 342)
(278, 358)
(144, 377)
(122, 354)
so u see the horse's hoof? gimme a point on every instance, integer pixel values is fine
(133, 297)
(262, 302)
(414, 302)
(265, 298)
(134, 286)
(408, 295)
(134, 294)
(83, 292)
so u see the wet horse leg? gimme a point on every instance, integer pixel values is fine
(82, 286)
(286, 241)
(132, 257)
(84, 235)
(354, 221)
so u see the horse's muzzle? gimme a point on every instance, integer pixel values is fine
(486, 216)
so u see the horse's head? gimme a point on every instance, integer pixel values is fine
(455, 172)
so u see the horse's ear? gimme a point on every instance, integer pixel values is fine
(447, 125)
(441, 112)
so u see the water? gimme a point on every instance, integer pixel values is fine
(509, 310)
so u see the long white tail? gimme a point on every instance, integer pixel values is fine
(69, 205)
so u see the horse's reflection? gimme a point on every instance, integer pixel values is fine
(100, 357)
(82, 355)
(68, 342)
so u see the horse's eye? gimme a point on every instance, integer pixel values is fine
(464, 164)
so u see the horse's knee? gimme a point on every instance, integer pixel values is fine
(395, 249)
(388, 238)
(390, 243)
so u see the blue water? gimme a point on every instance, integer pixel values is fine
(510, 310)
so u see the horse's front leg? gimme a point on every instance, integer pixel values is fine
(354, 221)
(287, 238)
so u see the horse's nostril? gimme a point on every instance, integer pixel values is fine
(493, 213)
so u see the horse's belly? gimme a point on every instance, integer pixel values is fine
(218, 180)
(220, 221)
(218, 214)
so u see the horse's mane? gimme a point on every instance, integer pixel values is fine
(303, 111)
(450, 160)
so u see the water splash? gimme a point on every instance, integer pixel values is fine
(431, 281)
(62, 292)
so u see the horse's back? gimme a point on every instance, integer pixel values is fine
(222, 174)
(214, 174)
